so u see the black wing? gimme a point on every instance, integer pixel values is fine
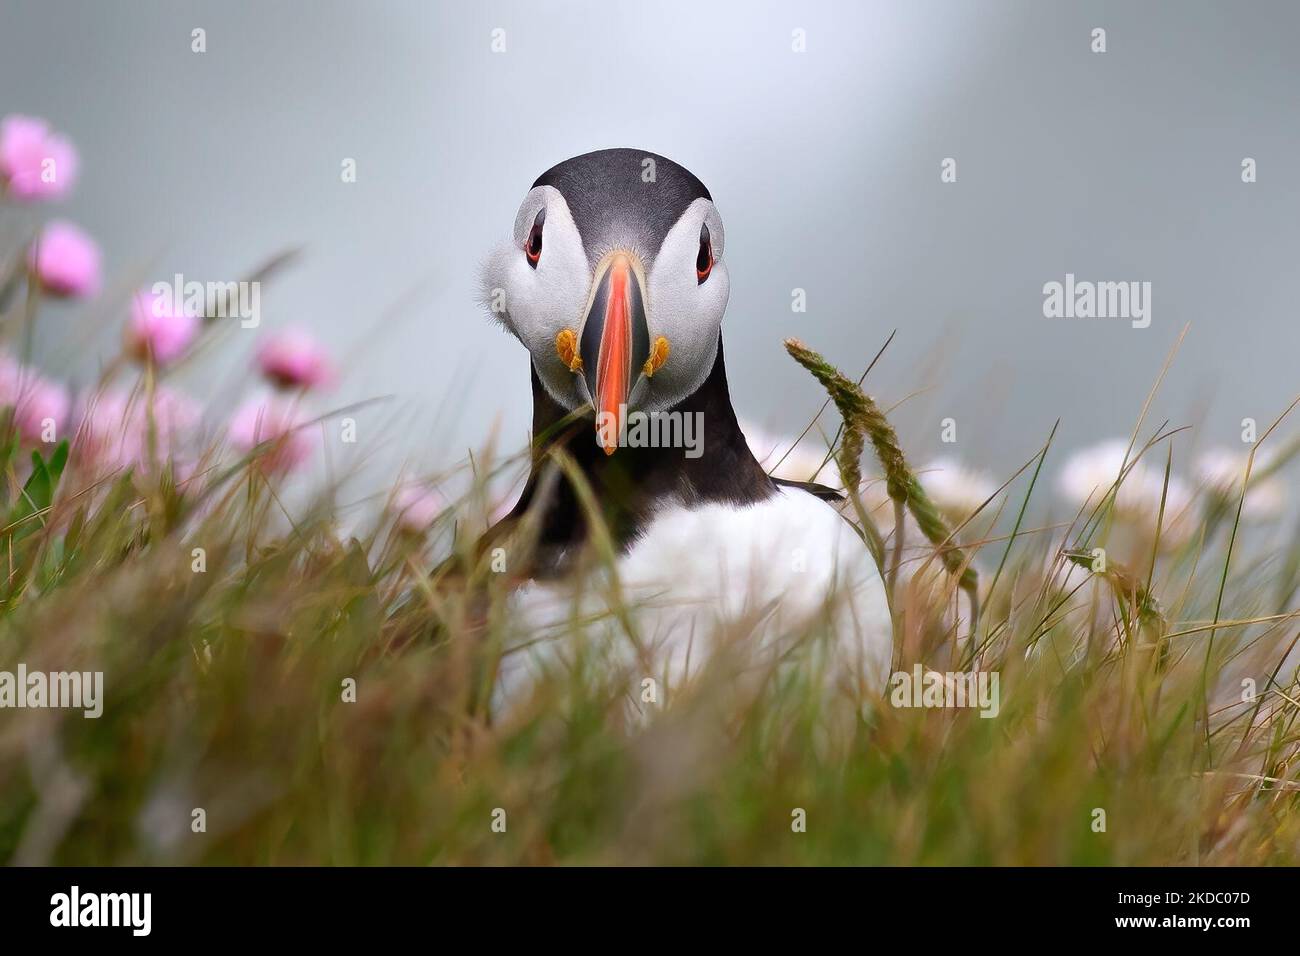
(823, 492)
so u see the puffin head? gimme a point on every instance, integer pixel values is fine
(615, 282)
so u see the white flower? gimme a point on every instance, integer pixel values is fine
(1088, 475)
(417, 507)
(1089, 472)
(1221, 470)
(800, 464)
(956, 490)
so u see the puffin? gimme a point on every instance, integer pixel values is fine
(653, 555)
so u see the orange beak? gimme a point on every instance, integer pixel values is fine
(615, 344)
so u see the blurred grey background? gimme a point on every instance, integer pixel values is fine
(825, 166)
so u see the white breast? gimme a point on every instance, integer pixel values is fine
(787, 570)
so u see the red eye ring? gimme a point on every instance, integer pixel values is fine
(533, 246)
(704, 260)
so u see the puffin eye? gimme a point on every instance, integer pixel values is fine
(704, 260)
(533, 247)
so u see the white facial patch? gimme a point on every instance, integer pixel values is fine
(535, 304)
(685, 311)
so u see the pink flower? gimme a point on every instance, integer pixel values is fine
(35, 163)
(159, 329)
(104, 440)
(417, 507)
(113, 430)
(175, 415)
(40, 406)
(294, 359)
(278, 425)
(65, 260)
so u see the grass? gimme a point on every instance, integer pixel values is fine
(227, 690)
